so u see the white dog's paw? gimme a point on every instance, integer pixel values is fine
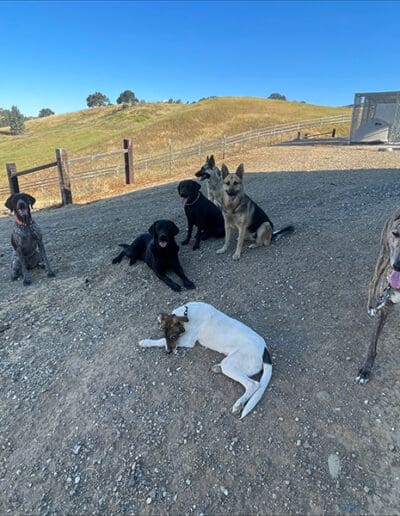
(221, 251)
(144, 343)
(372, 312)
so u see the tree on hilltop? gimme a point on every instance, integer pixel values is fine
(45, 112)
(97, 99)
(16, 121)
(127, 97)
(277, 96)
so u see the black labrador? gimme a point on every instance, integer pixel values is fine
(200, 212)
(159, 250)
(26, 239)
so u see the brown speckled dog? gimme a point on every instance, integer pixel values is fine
(26, 239)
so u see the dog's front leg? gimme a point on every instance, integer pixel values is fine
(189, 233)
(153, 343)
(227, 239)
(240, 241)
(365, 372)
(180, 272)
(168, 281)
(24, 268)
(44, 258)
(198, 238)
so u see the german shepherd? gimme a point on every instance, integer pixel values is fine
(212, 174)
(242, 213)
(384, 288)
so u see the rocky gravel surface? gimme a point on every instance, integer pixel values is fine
(92, 424)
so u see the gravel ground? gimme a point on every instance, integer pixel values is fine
(92, 424)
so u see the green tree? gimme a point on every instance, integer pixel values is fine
(277, 96)
(16, 121)
(127, 97)
(45, 112)
(4, 117)
(97, 99)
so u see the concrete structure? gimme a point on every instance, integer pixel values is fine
(376, 118)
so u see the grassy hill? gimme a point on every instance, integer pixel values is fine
(149, 125)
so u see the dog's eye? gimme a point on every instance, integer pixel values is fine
(235, 183)
(396, 234)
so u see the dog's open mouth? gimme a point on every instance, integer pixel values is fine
(163, 243)
(394, 279)
(232, 195)
(184, 200)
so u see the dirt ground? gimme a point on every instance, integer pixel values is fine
(92, 424)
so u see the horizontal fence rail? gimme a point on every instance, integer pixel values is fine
(226, 141)
(64, 173)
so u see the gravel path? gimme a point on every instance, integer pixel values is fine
(92, 424)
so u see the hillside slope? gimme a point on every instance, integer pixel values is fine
(149, 125)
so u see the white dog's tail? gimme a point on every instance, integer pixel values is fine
(264, 381)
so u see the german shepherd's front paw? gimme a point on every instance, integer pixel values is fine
(363, 376)
(236, 256)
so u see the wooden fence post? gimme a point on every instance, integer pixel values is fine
(63, 176)
(129, 176)
(12, 179)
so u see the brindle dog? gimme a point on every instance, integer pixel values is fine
(384, 287)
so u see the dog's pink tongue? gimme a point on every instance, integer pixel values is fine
(394, 279)
(184, 200)
(163, 243)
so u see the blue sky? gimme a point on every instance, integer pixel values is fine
(54, 54)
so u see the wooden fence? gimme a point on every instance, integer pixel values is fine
(62, 165)
(257, 137)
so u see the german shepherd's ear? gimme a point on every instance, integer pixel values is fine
(211, 161)
(224, 171)
(240, 171)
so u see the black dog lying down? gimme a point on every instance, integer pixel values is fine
(159, 250)
(26, 239)
(200, 212)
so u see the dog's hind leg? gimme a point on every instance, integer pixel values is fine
(230, 368)
(365, 372)
(264, 236)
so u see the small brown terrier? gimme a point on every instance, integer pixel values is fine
(172, 328)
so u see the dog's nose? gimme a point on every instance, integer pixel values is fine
(168, 351)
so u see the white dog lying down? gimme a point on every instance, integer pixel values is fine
(246, 352)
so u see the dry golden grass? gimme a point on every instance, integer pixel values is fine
(152, 127)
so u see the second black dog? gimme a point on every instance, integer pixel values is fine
(159, 250)
(200, 212)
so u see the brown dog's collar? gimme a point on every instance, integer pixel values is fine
(20, 223)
